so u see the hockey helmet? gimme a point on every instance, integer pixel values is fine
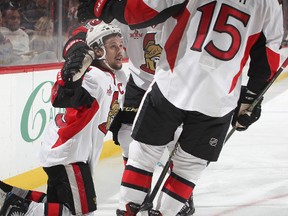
(95, 34)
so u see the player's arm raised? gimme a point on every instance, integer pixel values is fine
(68, 90)
(127, 11)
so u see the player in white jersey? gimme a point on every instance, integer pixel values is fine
(143, 47)
(197, 84)
(73, 142)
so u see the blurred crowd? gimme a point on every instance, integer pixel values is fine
(29, 30)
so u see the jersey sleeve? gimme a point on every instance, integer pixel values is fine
(265, 57)
(152, 12)
(64, 97)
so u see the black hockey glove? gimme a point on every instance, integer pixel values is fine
(91, 9)
(75, 67)
(242, 118)
(74, 43)
(115, 126)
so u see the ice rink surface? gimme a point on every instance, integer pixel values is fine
(249, 179)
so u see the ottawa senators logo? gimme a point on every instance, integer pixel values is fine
(152, 52)
(114, 108)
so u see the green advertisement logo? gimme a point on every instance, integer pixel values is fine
(35, 118)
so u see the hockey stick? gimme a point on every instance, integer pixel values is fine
(148, 201)
(259, 97)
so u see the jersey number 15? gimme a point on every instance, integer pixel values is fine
(221, 26)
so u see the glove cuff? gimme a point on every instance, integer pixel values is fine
(246, 96)
(73, 85)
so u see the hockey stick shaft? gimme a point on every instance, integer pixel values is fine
(148, 201)
(259, 97)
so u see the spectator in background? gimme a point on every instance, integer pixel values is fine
(33, 12)
(6, 51)
(72, 17)
(42, 42)
(72, 11)
(11, 30)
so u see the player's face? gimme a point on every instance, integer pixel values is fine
(114, 52)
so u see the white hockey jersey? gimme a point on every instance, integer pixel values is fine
(143, 47)
(78, 135)
(207, 45)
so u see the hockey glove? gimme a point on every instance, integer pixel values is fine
(243, 118)
(91, 9)
(77, 42)
(75, 67)
(115, 126)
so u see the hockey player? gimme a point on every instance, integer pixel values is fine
(73, 142)
(143, 47)
(197, 84)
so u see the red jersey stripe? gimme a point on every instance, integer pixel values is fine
(132, 15)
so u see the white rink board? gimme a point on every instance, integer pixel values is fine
(26, 110)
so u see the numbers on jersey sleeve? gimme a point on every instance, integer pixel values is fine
(221, 26)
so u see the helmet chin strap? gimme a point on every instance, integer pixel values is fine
(103, 58)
